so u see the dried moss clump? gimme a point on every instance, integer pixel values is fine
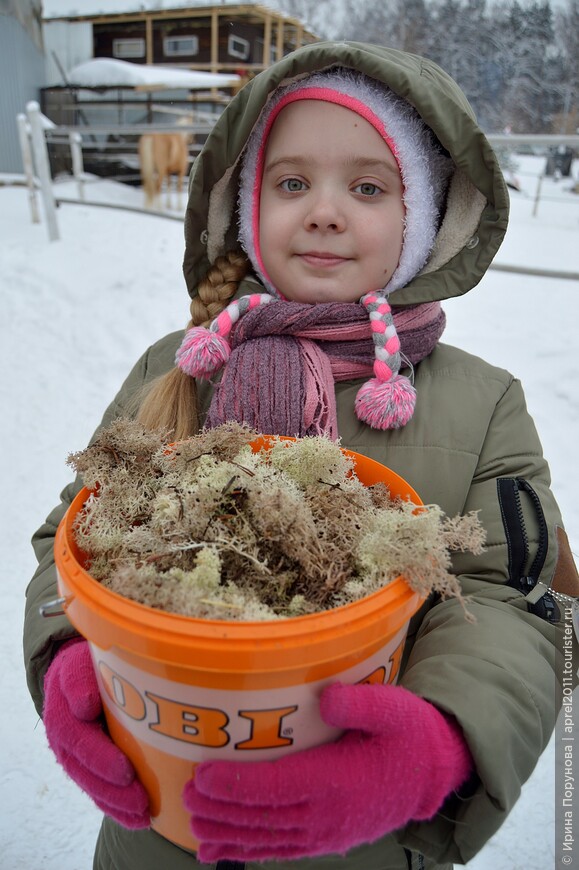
(211, 529)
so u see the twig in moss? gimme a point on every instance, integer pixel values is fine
(213, 602)
(108, 449)
(228, 546)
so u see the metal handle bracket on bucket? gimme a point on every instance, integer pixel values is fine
(53, 608)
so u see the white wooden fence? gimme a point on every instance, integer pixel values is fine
(35, 129)
(31, 127)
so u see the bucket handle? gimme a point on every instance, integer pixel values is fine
(52, 608)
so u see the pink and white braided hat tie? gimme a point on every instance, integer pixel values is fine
(387, 400)
(204, 350)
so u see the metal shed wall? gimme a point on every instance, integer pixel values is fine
(71, 42)
(22, 74)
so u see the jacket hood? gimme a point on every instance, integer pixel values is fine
(476, 214)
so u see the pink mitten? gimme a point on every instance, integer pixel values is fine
(74, 727)
(398, 760)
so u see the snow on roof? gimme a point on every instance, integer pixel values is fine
(58, 8)
(104, 72)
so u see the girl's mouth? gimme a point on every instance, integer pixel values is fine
(322, 259)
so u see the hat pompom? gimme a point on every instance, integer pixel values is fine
(386, 404)
(202, 352)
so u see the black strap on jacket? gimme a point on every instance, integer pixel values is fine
(522, 575)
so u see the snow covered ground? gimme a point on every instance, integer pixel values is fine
(75, 314)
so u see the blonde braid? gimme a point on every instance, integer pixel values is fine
(170, 401)
(218, 287)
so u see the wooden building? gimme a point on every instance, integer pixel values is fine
(243, 38)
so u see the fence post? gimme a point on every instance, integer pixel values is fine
(75, 140)
(43, 168)
(538, 194)
(24, 136)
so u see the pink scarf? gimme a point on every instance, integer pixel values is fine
(286, 357)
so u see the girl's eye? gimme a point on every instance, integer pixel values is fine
(367, 188)
(292, 185)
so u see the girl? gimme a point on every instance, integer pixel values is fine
(342, 178)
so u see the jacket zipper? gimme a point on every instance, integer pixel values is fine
(521, 578)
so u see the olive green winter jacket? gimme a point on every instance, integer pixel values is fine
(470, 446)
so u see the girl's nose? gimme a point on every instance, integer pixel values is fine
(325, 214)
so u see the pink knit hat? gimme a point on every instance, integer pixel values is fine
(387, 400)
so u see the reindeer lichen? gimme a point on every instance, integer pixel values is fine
(210, 528)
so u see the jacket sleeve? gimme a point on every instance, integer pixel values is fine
(500, 675)
(42, 635)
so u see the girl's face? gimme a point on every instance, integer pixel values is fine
(331, 210)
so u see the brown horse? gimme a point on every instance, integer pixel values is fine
(162, 155)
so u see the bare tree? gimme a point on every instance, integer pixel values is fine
(567, 31)
(516, 67)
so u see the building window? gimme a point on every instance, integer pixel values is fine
(179, 45)
(238, 47)
(128, 47)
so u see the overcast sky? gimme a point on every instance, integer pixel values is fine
(53, 8)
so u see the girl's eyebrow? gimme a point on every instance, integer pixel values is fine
(289, 160)
(362, 162)
(355, 161)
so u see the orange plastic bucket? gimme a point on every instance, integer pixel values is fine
(177, 691)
